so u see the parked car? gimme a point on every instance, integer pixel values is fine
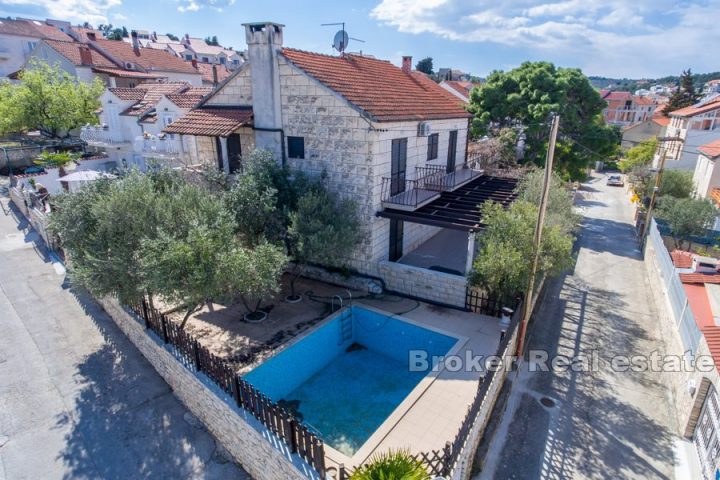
(616, 181)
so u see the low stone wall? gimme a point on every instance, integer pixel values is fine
(37, 219)
(424, 284)
(17, 198)
(260, 452)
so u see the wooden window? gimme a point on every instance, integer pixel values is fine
(296, 147)
(433, 141)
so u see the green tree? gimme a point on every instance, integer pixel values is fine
(638, 156)
(560, 210)
(212, 41)
(675, 183)
(172, 37)
(686, 217)
(125, 33)
(392, 465)
(425, 65)
(324, 230)
(502, 266)
(685, 95)
(48, 99)
(116, 34)
(527, 95)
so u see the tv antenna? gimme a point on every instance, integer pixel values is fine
(341, 39)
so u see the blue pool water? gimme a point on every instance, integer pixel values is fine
(348, 376)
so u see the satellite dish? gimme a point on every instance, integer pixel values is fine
(341, 41)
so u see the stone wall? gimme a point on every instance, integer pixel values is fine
(687, 402)
(417, 282)
(262, 454)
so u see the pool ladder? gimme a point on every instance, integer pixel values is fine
(346, 324)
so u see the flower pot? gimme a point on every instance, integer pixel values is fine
(293, 299)
(255, 317)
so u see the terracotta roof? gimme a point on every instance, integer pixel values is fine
(206, 71)
(211, 122)
(712, 337)
(700, 278)
(712, 149)
(128, 93)
(82, 33)
(189, 98)
(462, 87)
(152, 93)
(35, 29)
(147, 58)
(609, 95)
(201, 47)
(119, 72)
(378, 87)
(681, 259)
(699, 302)
(71, 51)
(696, 110)
(661, 120)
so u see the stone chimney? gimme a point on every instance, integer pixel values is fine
(215, 77)
(135, 42)
(194, 62)
(91, 36)
(85, 55)
(406, 63)
(264, 40)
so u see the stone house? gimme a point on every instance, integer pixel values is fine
(132, 120)
(19, 37)
(387, 137)
(692, 127)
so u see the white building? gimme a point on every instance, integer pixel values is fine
(387, 137)
(132, 120)
(693, 127)
(461, 89)
(19, 37)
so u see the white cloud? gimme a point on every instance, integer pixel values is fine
(93, 11)
(119, 17)
(195, 5)
(613, 37)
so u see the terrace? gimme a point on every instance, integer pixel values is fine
(102, 136)
(161, 147)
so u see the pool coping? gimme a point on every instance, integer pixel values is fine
(371, 444)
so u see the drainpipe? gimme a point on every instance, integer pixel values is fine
(282, 140)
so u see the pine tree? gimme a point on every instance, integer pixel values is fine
(685, 96)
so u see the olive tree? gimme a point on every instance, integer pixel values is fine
(686, 217)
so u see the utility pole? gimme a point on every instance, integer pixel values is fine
(527, 303)
(658, 182)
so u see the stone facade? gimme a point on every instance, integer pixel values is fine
(418, 282)
(262, 454)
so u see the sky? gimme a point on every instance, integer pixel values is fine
(613, 38)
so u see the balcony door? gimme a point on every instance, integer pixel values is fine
(398, 166)
(234, 152)
(452, 152)
(396, 240)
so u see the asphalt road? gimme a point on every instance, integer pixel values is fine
(77, 400)
(604, 424)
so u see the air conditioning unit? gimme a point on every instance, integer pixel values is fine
(423, 129)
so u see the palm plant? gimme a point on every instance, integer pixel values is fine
(392, 465)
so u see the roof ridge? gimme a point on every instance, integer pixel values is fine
(339, 56)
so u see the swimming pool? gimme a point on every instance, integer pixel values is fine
(345, 378)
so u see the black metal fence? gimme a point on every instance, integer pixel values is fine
(478, 301)
(196, 357)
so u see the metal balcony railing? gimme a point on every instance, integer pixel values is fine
(157, 147)
(429, 182)
(101, 135)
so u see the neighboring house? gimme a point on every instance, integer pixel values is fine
(198, 49)
(389, 138)
(132, 120)
(692, 126)
(18, 38)
(707, 173)
(712, 86)
(452, 75)
(212, 74)
(117, 64)
(639, 132)
(460, 89)
(624, 108)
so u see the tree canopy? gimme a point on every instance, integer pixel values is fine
(425, 65)
(212, 41)
(526, 96)
(638, 156)
(686, 217)
(48, 99)
(685, 95)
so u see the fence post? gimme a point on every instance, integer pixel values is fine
(293, 435)
(146, 315)
(447, 450)
(236, 390)
(163, 321)
(196, 356)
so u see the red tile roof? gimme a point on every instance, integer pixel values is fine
(211, 122)
(34, 29)
(695, 110)
(147, 58)
(712, 337)
(462, 87)
(379, 88)
(700, 278)
(189, 98)
(152, 93)
(712, 149)
(206, 71)
(128, 93)
(681, 259)
(699, 304)
(623, 96)
(71, 51)
(119, 72)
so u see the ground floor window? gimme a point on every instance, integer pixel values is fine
(296, 147)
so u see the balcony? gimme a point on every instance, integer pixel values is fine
(430, 181)
(102, 136)
(161, 147)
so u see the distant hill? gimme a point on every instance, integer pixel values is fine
(629, 84)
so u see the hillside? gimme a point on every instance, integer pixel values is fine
(629, 84)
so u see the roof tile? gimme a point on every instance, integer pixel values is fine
(148, 58)
(211, 122)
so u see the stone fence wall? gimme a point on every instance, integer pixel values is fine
(425, 284)
(259, 451)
